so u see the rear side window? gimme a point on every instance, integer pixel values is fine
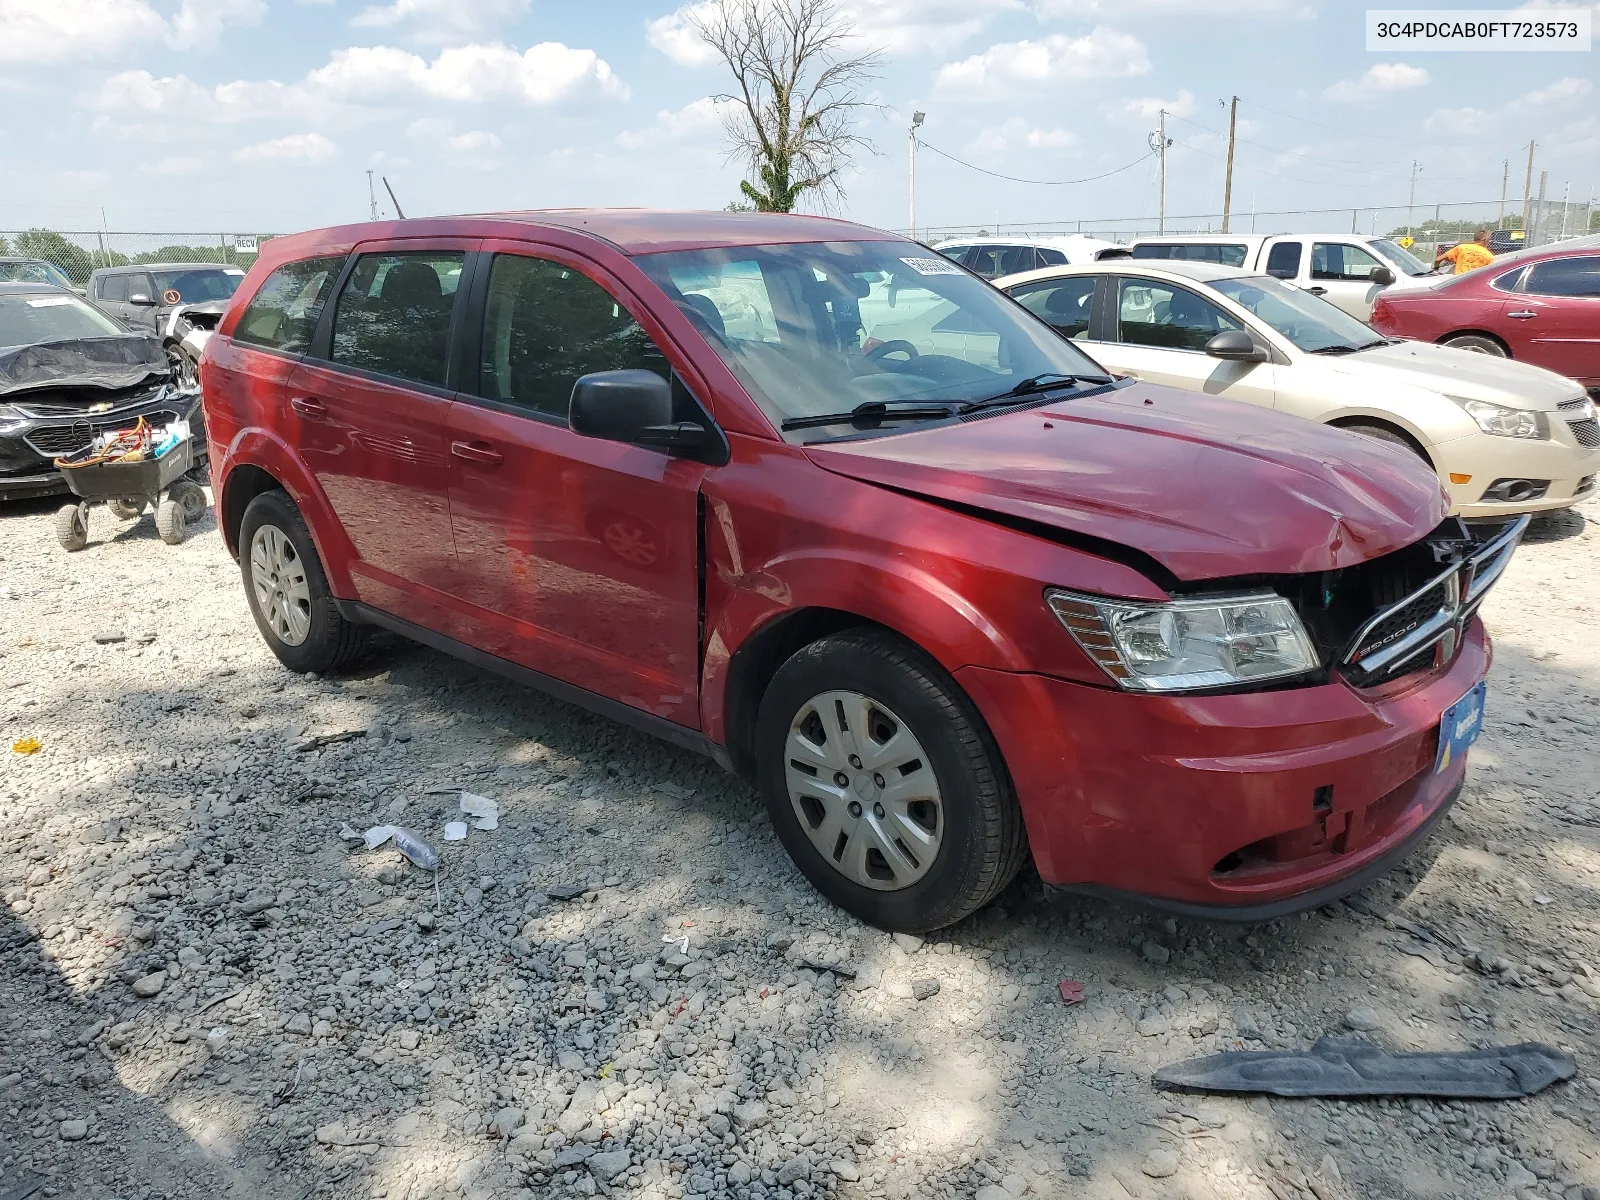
(283, 313)
(393, 316)
(1051, 258)
(994, 261)
(1153, 313)
(1063, 304)
(1577, 276)
(1283, 260)
(546, 324)
(114, 288)
(1227, 254)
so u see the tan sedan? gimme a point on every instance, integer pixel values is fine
(1505, 437)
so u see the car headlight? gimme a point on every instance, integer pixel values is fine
(11, 419)
(1502, 421)
(1217, 641)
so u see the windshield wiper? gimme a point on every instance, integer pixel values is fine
(1351, 349)
(873, 411)
(1049, 381)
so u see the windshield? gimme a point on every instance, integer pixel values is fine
(1308, 321)
(34, 271)
(34, 317)
(1397, 254)
(821, 327)
(194, 287)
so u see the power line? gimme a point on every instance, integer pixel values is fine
(1039, 182)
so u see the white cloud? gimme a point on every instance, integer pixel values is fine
(698, 121)
(1561, 92)
(544, 74)
(167, 168)
(42, 32)
(198, 24)
(84, 180)
(896, 27)
(1144, 109)
(1009, 68)
(439, 133)
(1380, 80)
(296, 147)
(1124, 9)
(1459, 122)
(1020, 134)
(434, 21)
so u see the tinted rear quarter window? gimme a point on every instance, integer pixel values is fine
(1283, 261)
(1228, 254)
(1051, 258)
(1577, 276)
(283, 314)
(545, 324)
(393, 316)
(1063, 304)
(114, 288)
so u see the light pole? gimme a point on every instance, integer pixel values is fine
(916, 120)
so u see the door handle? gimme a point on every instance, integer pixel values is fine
(1317, 291)
(478, 452)
(1523, 315)
(309, 406)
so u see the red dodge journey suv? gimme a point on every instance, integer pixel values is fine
(820, 503)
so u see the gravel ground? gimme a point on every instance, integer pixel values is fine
(205, 992)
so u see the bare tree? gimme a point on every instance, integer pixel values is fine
(798, 98)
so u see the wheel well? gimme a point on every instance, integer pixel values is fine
(757, 661)
(1482, 333)
(245, 483)
(1398, 430)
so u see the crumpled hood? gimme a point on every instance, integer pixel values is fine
(1447, 370)
(1209, 488)
(110, 362)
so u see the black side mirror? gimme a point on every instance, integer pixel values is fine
(632, 406)
(142, 300)
(1236, 345)
(1381, 275)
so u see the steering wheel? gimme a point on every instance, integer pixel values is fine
(898, 346)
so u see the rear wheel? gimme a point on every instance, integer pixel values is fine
(884, 785)
(170, 521)
(1477, 343)
(128, 509)
(288, 591)
(191, 496)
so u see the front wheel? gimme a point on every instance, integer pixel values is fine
(288, 590)
(884, 785)
(72, 526)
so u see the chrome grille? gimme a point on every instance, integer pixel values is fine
(1433, 613)
(1573, 405)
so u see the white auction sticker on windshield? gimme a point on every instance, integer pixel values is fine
(932, 266)
(50, 302)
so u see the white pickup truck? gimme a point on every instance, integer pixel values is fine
(1346, 269)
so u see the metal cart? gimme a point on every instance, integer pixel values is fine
(127, 489)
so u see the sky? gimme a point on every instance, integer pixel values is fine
(265, 115)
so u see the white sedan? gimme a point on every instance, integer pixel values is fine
(1504, 437)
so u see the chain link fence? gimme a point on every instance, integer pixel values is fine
(1428, 225)
(79, 252)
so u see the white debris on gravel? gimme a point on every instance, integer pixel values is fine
(626, 989)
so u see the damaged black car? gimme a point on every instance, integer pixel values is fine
(67, 373)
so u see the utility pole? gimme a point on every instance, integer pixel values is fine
(1505, 179)
(916, 120)
(1159, 141)
(372, 199)
(1542, 221)
(1566, 195)
(1227, 183)
(1527, 197)
(1411, 202)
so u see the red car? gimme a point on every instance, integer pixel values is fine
(1541, 306)
(946, 609)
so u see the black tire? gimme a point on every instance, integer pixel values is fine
(332, 643)
(170, 522)
(72, 531)
(1384, 434)
(1477, 343)
(983, 841)
(191, 497)
(129, 509)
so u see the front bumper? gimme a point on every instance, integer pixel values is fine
(1569, 467)
(29, 448)
(1244, 806)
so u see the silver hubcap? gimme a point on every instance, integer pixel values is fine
(864, 790)
(283, 597)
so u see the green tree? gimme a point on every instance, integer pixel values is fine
(52, 247)
(793, 117)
